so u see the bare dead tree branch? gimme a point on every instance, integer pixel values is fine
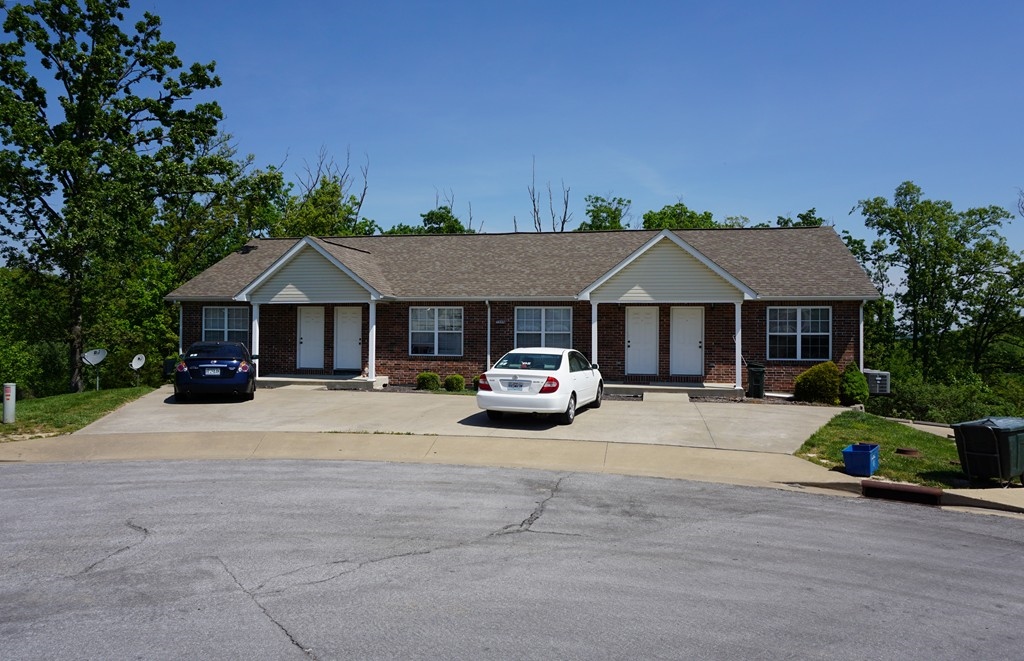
(534, 202)
(558, 223)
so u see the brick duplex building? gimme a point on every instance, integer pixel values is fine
(685, 306)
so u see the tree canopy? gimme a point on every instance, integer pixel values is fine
(110, 126)
(953, 272)
(605, 214)
(440, 220)
(678, 217)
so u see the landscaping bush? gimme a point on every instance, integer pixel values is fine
(454, 383)
(819, 384)
(853, 388)
(428, 381)
(960, 401)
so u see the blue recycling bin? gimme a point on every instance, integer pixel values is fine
(861, 459)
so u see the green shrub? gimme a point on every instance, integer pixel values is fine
(20, 366)
(853, 388)
(454, 383)
(428, 381)
(913, 399)
(819, 384)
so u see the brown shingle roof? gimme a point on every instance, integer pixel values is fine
(774, 263)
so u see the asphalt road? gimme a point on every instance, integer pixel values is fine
(347, 560)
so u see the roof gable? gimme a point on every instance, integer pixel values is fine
(666, 268)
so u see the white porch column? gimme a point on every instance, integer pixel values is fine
(255, 349)
(739, 346)
(593, 331)
(371, 350)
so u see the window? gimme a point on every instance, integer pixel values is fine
(799, 333)
(435, 331)
(544, 327)
(228, 324)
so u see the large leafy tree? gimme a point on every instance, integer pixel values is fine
(98, 121)
(605, 213)
(440, 220)
(678, 216)
(325, 204)
(952, 271)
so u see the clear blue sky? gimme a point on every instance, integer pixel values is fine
(751, 108)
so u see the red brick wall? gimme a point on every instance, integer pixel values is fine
(780, 374)
(279, 324)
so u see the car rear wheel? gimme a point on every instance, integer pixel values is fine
(570, 412)
(596, 404)
(494, 415)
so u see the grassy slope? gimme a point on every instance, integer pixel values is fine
(64, 414)
(938, 465)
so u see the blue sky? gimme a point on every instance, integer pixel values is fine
(757, 109)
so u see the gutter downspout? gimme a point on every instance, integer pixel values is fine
(488, 365)
(181, 325)
(861, 351)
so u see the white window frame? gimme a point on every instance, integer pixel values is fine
(436, 331)
(226, 330)
(799, 333)
(544, 332)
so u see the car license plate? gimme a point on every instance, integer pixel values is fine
(211, 371)
(516, 385)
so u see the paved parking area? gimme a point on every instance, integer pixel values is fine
(663, 419)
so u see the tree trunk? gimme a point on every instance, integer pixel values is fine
(75, 340)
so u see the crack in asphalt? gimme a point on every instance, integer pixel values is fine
(523, 526)
(308, 651)
(128, 547)
(526, 524)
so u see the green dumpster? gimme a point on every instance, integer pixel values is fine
(991, 448)
(755, 380)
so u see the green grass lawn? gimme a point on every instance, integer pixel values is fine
(937, 465)
(63, 414)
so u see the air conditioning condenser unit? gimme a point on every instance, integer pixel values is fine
(878, 382)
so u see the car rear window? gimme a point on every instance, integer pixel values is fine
(222, 351)
(530, 361)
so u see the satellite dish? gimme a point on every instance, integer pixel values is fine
(94, 357)
(138, 361)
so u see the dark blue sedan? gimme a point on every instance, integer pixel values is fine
(215, 368)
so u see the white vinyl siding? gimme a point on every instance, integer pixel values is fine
(435, 331)
(798, 333)
(226, 324)
(309, 278)
(666, 273)
(544, 327)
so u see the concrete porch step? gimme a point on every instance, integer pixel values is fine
(328, 381)
(705, 390)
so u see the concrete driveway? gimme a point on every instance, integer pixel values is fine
(660, 419)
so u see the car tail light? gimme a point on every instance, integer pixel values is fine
(243, 366)
(551, 385)
(181, 366)
(482, 384)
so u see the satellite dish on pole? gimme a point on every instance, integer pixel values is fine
(137, 363)
(94, 357)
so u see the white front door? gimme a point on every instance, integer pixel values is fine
(311, 337)
(687, 341)
(348, 331)
(642, 340)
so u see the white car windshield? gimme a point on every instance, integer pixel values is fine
(529, 361)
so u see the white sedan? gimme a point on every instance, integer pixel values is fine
(540, 380)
